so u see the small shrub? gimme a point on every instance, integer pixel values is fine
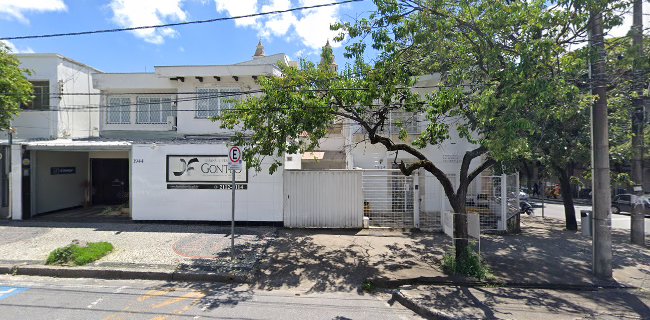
(473, 265)
(368, 286)
(74, 254)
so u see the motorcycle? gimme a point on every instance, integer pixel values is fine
(525, 207)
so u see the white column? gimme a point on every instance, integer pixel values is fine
(16, 184)
(416, 199)
(504, 202)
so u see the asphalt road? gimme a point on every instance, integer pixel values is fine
(556, 210)
(51, 298)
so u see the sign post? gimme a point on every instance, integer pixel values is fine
(234, 163)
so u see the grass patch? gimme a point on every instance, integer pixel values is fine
(473, 265)
(74, 254)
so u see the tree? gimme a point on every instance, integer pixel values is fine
(637, 227)
(15, 88)
(495, 61)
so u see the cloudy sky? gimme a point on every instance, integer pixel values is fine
(298, 34)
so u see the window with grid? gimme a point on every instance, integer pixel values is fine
(154, 110)
(406, 120)
(41, 96)
(119, 110)
(210, 101)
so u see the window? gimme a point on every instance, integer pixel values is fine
(119, 110)
(406, 120)
(210, 102)
(41, 96)
(154, 110)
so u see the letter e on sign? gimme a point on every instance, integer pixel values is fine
(234, 158)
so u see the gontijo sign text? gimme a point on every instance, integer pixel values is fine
(202, 168)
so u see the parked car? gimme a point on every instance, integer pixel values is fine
(623, 203)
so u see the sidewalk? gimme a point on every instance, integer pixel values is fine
(547, 274)
(544, 268)
(316, 260)
(152, 251)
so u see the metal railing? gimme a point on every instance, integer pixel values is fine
(388, 198)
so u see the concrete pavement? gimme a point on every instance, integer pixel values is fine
(548, 274)
(306, 262)
(51, 298)
(459, 302)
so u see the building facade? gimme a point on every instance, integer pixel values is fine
(146, 142)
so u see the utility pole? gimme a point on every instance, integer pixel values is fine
(601, 196)
(637, 226)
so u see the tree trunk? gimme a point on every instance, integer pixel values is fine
(637, 227)
(567, 197)
(461, 234)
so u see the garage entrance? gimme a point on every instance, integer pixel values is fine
(110, 181)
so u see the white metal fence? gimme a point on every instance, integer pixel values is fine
(389, 198)
(484, 197)
(323, 199)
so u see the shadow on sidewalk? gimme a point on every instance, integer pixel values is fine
(546, 253)
(512, 303)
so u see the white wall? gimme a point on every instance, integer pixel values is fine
(16, 183)
(75, 78)
(151, 200)
(74, 123)
(38, 124)
(60, 191)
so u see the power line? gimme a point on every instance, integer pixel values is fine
(238, 93)
(52, 35)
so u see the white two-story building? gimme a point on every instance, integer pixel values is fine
(145, 142)
(149, 145)
(64, 107)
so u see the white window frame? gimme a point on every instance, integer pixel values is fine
(121, 108)
(212, 106)
(143, 109)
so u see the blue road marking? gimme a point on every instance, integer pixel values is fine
(6, 292)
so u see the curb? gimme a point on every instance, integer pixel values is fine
(124, 274)
(420, 310)
(456, 281)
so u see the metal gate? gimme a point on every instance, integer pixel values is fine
(322, 199)
(389, 199)
(484, 197)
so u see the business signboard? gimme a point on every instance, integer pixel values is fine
(202, 169)
(63, 170)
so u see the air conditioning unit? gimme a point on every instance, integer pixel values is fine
(171, 123)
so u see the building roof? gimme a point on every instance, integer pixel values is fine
(54, 55)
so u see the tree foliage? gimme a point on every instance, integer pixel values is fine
(496, 61)
(15, 88)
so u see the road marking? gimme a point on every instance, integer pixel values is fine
(6, 292)
(170, 301)
(153, 293)
(94, 303)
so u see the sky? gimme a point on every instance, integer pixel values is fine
(297, 34)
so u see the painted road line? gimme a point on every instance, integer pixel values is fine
(6, 292)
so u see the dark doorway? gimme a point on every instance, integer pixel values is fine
(110, 181)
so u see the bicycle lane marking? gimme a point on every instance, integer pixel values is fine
(6, 292)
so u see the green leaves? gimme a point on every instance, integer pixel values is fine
(15, 88)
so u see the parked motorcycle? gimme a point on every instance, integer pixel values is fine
(525, 207)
